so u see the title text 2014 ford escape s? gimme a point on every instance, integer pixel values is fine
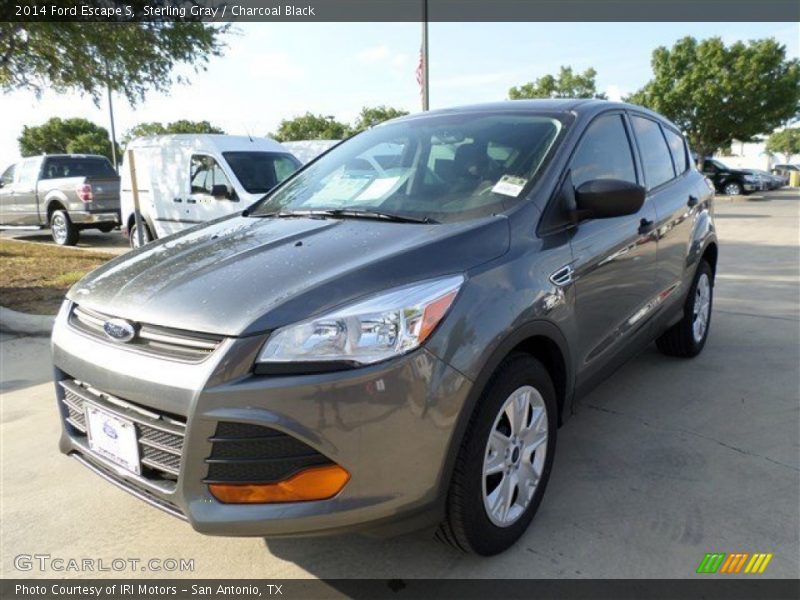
(392, 336)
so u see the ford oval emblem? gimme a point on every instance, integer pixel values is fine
(119, 330)
(109, 430)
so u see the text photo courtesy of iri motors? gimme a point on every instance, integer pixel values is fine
(399, 299)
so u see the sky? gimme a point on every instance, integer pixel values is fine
(274, 71)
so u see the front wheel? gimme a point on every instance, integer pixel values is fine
(688, 336)
(733, 189)
(504, 463)
(63, 230)
(147, 237)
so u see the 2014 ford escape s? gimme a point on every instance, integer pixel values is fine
(391, 337)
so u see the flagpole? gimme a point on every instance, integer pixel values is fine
(424, 54)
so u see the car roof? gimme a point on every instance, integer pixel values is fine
(219, 141)
(588, 107)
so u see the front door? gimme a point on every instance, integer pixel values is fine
(212, 194)
(19, 201)
(615, 258)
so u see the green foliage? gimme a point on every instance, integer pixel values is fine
(180, 126)
(373, 115)
(786, 142)
(59, 136)
(718, 93)
(86, 57)
(566, 85)
(311, 127)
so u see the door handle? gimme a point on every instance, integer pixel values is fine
(693, 201)
(646, 226)
(191, 201)
(177, 200)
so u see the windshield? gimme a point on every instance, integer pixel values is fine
(439, 168)
(259, 172)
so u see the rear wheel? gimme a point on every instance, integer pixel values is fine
(63, 230)
(688, 336)
(504, 462)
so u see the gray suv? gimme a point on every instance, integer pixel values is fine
(392, 337)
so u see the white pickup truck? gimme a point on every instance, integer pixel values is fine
(66, 192)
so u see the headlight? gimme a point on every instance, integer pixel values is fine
(368, 331)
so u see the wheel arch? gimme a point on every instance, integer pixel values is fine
(540, 339)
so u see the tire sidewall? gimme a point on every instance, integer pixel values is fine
(60, 214)
(688, 320)
(483, 536)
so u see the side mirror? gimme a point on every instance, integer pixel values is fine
(220, 191)
(606, 198)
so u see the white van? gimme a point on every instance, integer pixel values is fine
(185, 179)
(307, 150)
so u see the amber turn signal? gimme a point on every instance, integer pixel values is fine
(314, 483)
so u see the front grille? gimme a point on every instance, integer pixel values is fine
(165, 342)
(160, 436)
(244, 453)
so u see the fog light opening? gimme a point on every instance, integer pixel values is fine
(313, 483)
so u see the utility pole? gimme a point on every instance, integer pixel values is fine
(111, 116)
(424, 59)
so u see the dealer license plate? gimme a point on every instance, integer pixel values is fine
(113, 438)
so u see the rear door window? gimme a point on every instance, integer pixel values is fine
(604, 152)
(656, 155)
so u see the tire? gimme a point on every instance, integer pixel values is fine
(63, 230)
(134, 238)
(471, 525)
(683, 339)
(106, 228)
(733, 188)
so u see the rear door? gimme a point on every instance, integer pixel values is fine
(674, 193)
(615, 258)
(22, 206)
(7, 179)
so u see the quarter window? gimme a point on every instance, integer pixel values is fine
(678, 149)
(604, 153)
(656, 155)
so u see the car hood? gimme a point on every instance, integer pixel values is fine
(245, 275)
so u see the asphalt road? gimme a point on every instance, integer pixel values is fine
(113, 242)
(667, 460)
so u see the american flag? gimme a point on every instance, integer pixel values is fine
(421, 71)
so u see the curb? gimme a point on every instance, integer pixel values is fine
(12, 321)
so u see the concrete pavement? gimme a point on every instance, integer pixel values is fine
(667, 460)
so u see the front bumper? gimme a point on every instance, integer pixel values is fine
(389, 425)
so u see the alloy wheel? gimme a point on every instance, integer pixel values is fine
(515, 456)
(59, 228)
(702, 308)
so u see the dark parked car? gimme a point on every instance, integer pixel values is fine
(784, 170)
(770, 181)
(392, 337)
(731, 182)
(66, 192)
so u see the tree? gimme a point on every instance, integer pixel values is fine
(87, 57)
(72, 136)
(566, 85)
(786, 142)
(180, 126)
(311, 127)
(371, 116)
(719, 93)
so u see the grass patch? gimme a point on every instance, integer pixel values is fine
(35, 277)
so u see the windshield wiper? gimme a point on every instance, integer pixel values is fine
(347, 213)
(374, 214)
